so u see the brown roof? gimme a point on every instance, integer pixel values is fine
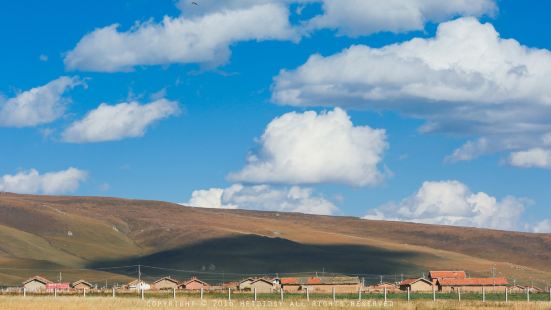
(261, 279)
(194, 279)
(37, 278)
(168, 279)
(473, 281)
(411, 281)
(447, 274)
(81, 282)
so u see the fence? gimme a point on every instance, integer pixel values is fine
(280, 295)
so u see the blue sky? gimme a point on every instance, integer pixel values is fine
(175, 124)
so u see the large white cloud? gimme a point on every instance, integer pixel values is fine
(39, 105)
(452, 203)
(464, 81)
(198, 39)
(116, 122)
(315, 148)
(32, 182)
(263, 197)
(363, 17)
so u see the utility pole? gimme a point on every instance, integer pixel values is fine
(139, 274)
(60, 277)
(493, 271)
(381, 279)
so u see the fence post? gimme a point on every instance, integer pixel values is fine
(334, 298)
(459, 294)
(409, 294)
(201, 293)
(483, 294)
(549, 294)
(113, 292)
(528, 294)
(254, 289)
(360, 293)
(142, 293)
(55, 292)
(385, 294)
(84, 292)
(433, 294)
(506, 294)
(281, 293)
(173, 293)
(25, 292)
(229, 293)
(307, 294)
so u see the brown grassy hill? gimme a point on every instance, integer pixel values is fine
(83, 237)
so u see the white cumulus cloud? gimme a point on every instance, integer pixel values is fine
(298, 148)
(453, 203)
(467, 81)
(202, 39)
(364, 17)
(39, 105)
(116, 122)
(263, 197)
(32, 182)
(536, 157)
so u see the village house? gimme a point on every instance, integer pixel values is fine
(321, 284)
(522, 289)
(262, 286)
(165, 283)
(435, 275)
(245, 284)
(81, 285)
(36, 284)
(472, 284)
(380, 288)
(138, 285)
(417, 285)
(193, 284)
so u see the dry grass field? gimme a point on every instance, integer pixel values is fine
(100, 303)
(79, 235)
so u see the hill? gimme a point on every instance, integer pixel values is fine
(87, 237)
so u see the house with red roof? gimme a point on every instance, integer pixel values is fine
(472, 284)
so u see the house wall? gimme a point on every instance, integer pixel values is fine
(81, 286)
(420, 286)
(245, 285)
(328, 288)
(195, 285)
(165, 285)
(35, 286)
(291, 288)
(474, 288)
(262, 287)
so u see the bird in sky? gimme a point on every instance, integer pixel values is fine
(194, 3)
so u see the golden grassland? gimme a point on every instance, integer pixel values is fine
(89, 303)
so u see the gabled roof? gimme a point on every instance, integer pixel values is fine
(473, 281)
(320, 280)
(167, 279)
(411, 281)
(247, 279)
(194, 279)
(447, 274)
(262, 280)
(39, 279)
(81, 282)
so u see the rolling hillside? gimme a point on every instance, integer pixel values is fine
(85, 237)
